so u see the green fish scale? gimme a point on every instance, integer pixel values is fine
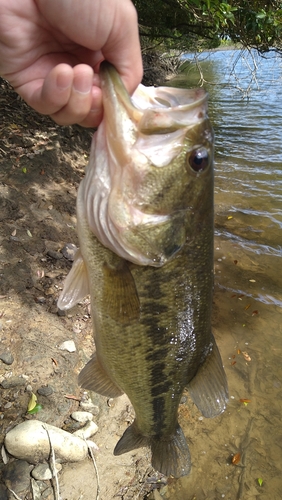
(152, 359)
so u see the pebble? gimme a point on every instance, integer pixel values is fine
(87, 431)
(30, 441)
(42, 472)
(92, 445)
(68, 345)
(7, 358)
(3, 492)
(82, 416)
(89, 406)
(55, 255)
(45, 390)
(16, 476)
(69, 251)
(48, 494)
(36, 493)
(40, 300)
(12, 382)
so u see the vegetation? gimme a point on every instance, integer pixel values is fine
(198, 24)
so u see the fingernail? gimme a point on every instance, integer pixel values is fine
(63, 81)
(83, 85)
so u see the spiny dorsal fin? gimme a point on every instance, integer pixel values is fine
(76, 285)
(208, 388)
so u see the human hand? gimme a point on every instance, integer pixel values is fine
(50, 52)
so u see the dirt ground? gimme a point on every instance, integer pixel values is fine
(41, 165)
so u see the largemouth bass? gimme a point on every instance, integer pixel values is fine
(145, 228)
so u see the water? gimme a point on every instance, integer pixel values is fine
(246, 109)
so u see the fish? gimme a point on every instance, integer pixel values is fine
(145, 230)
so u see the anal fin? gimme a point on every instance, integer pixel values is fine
(94, 378)
(130, 440)
(208, 388)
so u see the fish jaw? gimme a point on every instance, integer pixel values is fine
(140, 151)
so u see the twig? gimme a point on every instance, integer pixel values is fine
(53, 466)
(96, 470)
(15, 495)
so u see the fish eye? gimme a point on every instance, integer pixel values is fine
(198, 159)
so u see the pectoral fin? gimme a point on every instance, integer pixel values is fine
(94, 378)
(208, 388)
(76, 285)
(120, 295)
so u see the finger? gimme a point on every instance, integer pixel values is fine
(95, 114)
(48, 94)
(123, 48)
(80, 99)
(56, 90)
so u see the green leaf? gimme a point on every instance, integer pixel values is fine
(36, 409)
(260, 481)
(32, 402)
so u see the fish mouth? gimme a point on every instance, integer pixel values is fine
(154, 110)
(132, 167)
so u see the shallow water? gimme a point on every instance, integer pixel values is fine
(246, 109)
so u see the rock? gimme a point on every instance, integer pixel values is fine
(87, 431)
(7, 358)
(47, 494)
(3, 492)
(45, 390)
(42, 472)
(13, 382)
(69, 251)
(29, 441)
(82, 416)
(40, 300)
(92, 445)
(16, 476)
(68, 345)
(36, 493)
(89, 406)
(55, 255)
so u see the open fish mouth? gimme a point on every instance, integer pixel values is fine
(137, 151)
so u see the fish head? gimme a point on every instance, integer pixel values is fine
(151, 169)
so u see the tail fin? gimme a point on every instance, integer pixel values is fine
(170, 455)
